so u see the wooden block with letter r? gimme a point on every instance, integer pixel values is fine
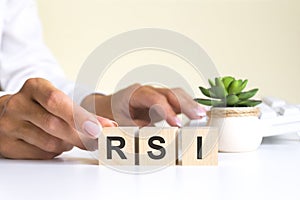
(157, 146)
(199, 146)
(117, 146)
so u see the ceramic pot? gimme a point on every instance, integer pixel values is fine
(240, 130)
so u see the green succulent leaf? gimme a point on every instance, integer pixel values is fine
(228, 92)
(232, 99)
(223, 92)
(220, 92)
(227, 80)
(212, 93)
(205, 91)
(249, 103)
(209, 102)
(240, 81)
(247, 95)
(219, 81)
(211, 83)
(243, 85)
(234, 87)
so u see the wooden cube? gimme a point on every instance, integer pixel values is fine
(117, 146)
(199, 146)
(157, 146)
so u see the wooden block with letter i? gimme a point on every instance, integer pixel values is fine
(199, 146)
(117, 146)
(157, 146)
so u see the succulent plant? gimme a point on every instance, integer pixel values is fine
(228, 92)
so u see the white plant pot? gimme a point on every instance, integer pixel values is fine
(240, 130)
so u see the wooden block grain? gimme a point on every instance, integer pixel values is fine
(157, 146)
(117, 146)
(199, 146)
(154, 146)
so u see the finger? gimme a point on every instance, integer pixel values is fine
(147, 97)
(142, 123)
(52, 125)
(60, 105)
(137, 122)
(39, 138)
(106, 122)
(18, 149)
(183, 103)
(171, 97)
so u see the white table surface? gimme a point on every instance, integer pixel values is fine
(271, 172)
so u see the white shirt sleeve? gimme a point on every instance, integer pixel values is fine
(23, 54)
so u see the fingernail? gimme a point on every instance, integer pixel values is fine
(178, 122)
(200, 112)
(92, 128)
(114, 123)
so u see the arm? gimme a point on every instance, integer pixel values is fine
(144, 105)
(23, 53)
(37, 120)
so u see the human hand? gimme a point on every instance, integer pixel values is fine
(39, 122)
(145, 105)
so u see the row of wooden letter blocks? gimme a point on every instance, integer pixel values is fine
(150, 146)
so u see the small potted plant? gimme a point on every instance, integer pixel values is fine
(234, 113)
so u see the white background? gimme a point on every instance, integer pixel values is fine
(254, 39)
(271, 172)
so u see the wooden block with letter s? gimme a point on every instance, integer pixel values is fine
(198, 146)
(157, 146)
(117, 146)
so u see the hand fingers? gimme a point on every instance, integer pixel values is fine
(60, 105)
(137, 122)
(146, 97)
(53, 125)
(92, 144)
(106, 122)
(39, 138)
(18, 149)
(181, 102)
